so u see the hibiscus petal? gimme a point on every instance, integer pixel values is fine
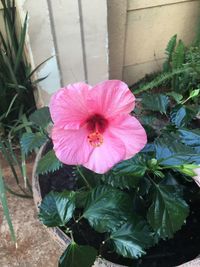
(130, 131)
(197, 177)
(71, 146)
(68, 106)
(104, 157)
(112, 97)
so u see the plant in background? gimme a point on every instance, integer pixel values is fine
(138, 202)
(181, 71)
(16, 97)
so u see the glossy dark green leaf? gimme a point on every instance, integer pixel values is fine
(107, 208)
(57, 209)
(48, 163)
(131, 239)
(191, 138)
(135, 167)
(180, 116)
(126, 174)
(81, 198)
(155, 102)
(31, 141)
(78, 256)
(41, 117)
(92, 178)
(120, 181)
(168, 210)
(170, 151)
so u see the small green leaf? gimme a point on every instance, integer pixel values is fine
(168, 210)
(78, 256)
(177, 97)
(41, 117)
(57, 209)
(107, 208)
(31, 141)
(48, 163)
(131, 239)
(194, 93)
(155, 102)
(187, 169)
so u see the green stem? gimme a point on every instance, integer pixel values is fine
(82, 176)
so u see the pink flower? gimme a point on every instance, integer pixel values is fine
(92, 125)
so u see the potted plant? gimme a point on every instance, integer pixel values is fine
(108, 194)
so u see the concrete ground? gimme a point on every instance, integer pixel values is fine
(36, 248)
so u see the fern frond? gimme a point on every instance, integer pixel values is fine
(160, 79)
(178, 56)
(169, 51)
(171, 45)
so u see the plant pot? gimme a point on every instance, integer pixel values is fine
(61, 238)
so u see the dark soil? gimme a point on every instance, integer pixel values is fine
(182, 248)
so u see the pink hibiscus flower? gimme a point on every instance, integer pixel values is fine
(92, 125)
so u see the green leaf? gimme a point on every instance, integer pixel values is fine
(134, 167)
(122, 182)
(177, 97)
(168, 210)
(155, 102)
(171, 45)
(126, 174)
(107, 208)
(190, 138)
(187, 169)
(194, 93)
(4, 203)
(78, 256)
(163, 77)
(57, 209)
(131, 239)
(41, 117)
(19, 56)
(170, 151)
(180, 116)
(178, 55)
(48, 163)
(169, 51)
(31, 141)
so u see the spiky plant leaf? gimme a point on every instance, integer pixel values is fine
(106, 208)
(48, 163)
(132, 238)
(31, 141)
(57, 209)
(158, 102)
(78, 256)
(41, 117)
(168, 210)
